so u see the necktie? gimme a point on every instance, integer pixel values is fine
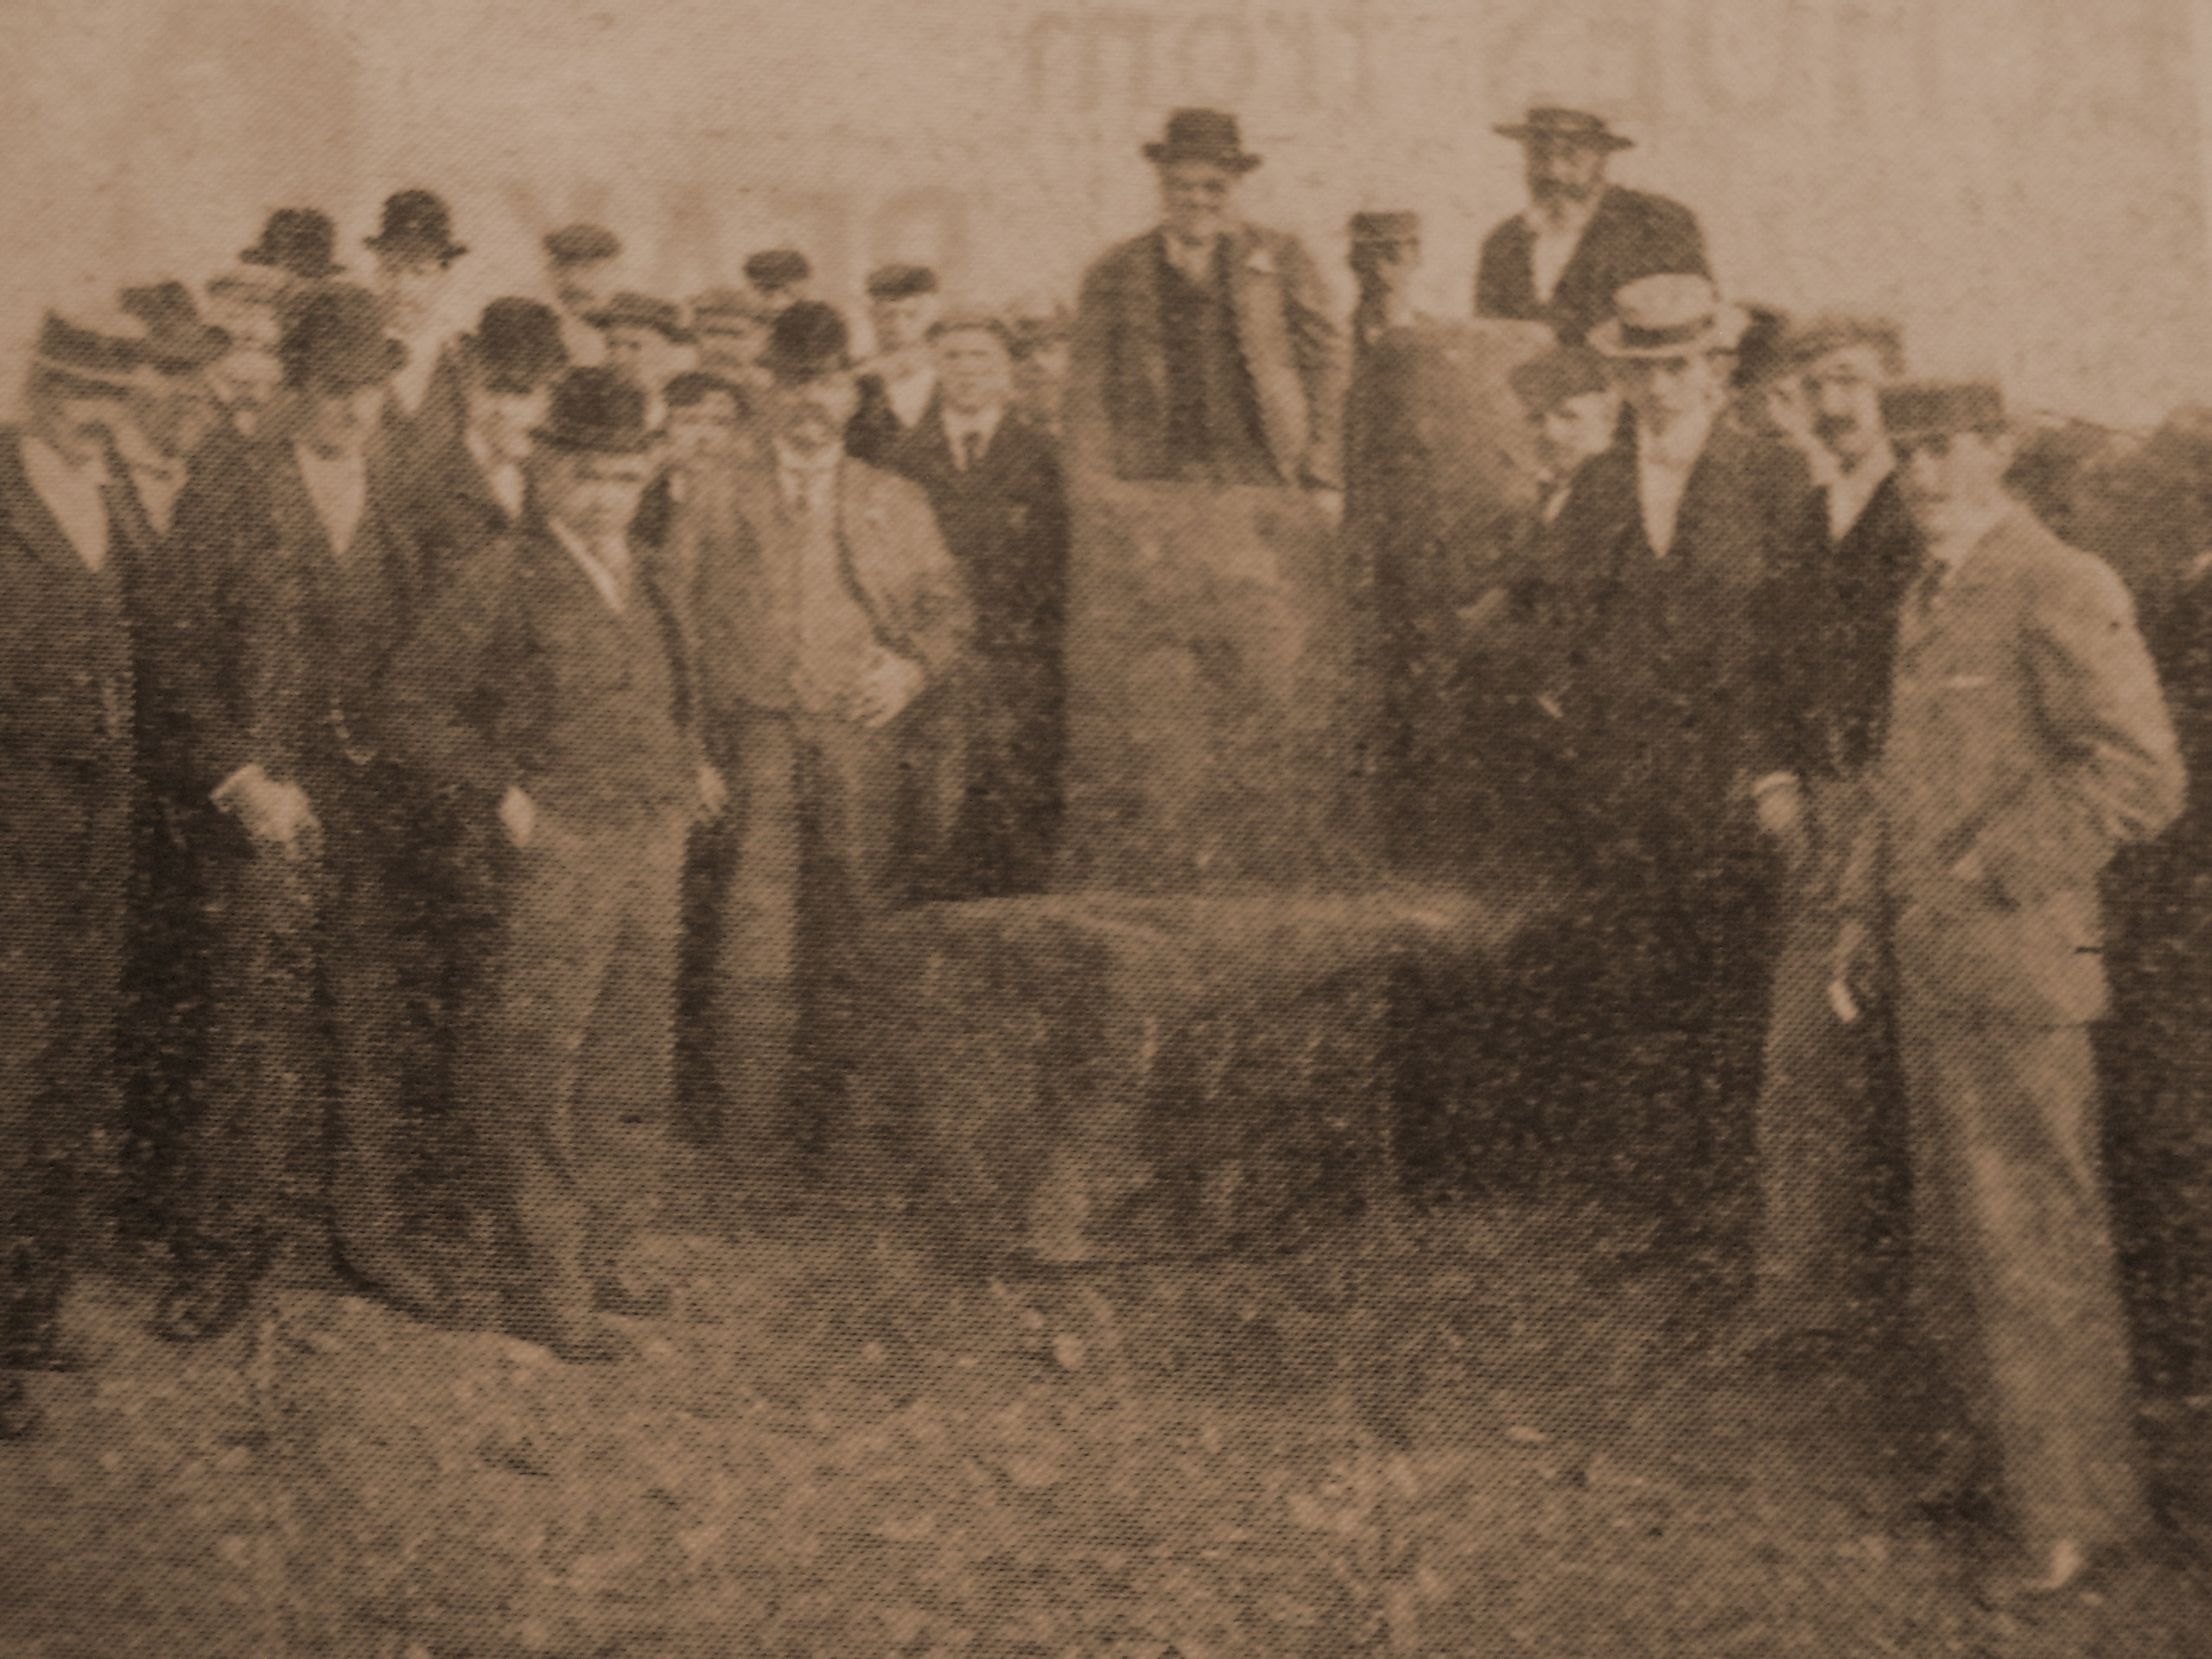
(971, 450)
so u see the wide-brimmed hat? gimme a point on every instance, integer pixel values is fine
(104, 350)
(778, 268)
(581, 244)
(901, 281)
(1201, 136)
(178, 340)
(720, 310)
(628, 310)
(517, 347)
(416, 225)
(1674, 313)
(1933, 409)
(1384, 227)
(297, 240)
(596, 411)
(1564, 125)
(334, 338)
(809, 339)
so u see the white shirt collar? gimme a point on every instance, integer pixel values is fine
(73, 495)
(607, 565)
(340, 491)
(910, 390)
(804, 477)
(504, 477)
(1848, 493)
(1663, 464)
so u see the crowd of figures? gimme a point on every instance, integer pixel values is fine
(394, 718)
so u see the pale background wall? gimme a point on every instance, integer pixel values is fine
(2021, 180)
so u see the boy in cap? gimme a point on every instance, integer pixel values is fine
(900, 382)
(646, 344)
(68, 594)
(1574, 410)
(830, 620)
(2027, 742)
(732, 328)
(581, 264)
(781, 277)
(548, 693)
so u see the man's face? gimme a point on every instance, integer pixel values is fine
(411, 290)
(811, 415)
(177, 415)
(248, 322)
(77, 426)
(503, 420)
(975, 372)
(732, 347)
(903, 322)
(594, 495)
(1842, 392)
(648, 359)
(1664, 390)
(1952, 481)
(1562, 171)
(1575, 429)
(1199, 200)
(245, 383)
(700, 430)
(1389, 267)
(336, 422)
(583, 288)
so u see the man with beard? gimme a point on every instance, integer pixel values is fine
(67, 595)
(831, 620)
(1582, 239)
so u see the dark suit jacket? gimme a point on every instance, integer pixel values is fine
(1116, 400)
(874, 431)
(450, 511)
(1631, 234)
(1661, 690)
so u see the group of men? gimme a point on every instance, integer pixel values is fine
(651, 636)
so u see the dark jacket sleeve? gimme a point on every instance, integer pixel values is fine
(1502, 280)
(460, 682)
(217, 598)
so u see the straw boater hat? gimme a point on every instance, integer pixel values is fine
(971, 319)
(1564, 125)
(596, 411)
(102, 350)
(1201, 136)
(1675, 314)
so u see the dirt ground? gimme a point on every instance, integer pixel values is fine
(1490, 1430)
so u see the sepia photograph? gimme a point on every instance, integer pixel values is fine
(1097, 829)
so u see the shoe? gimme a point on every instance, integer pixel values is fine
(389, 1268)
(214, 1286)
(611, 1295)
(19, 1414)
(2062, 1565)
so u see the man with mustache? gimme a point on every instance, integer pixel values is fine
(1582, 238)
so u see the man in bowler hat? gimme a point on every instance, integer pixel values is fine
(550, 694)
(899, 384)
(299, 242)
(1581, 238)
(415, 253)
(831, 622)
(69, 592)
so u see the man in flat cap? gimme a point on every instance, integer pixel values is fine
(2026, 741)
(781, 277)
(582, 262)
(550, 694)
(732, 326)
(646, 344)
(1582, 239)
(294, 578)
(68, 600)
(1668, 544)
(899, 384)
(831, 623)
(415, 252)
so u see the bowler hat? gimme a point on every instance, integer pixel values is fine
(297, 240)
(1564, 125)
(719, 310)
(778, 268)
(517, 346)
(1545, 382)
(627, 310)
(1397, 226)
(596, 411)
(1932, 409)
(1201, 136)
(178, 341)
(809, 339)
(416, 225)
(335, 338)
(106, 352)
(1673, 314)
(901, 281)
(581, 244)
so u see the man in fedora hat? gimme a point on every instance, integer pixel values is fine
(297, 241)
(2026, 741)
(831, 622)
(781, 277)
(68, 601)
(294, 577)
(1668, 546)
(550, 694)
(1582, 239)
(646, 344)
(899, 382)
(415, 253)
(581, 264)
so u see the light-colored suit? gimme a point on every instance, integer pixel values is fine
(2027, 742)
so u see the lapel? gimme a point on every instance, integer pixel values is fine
(1141, 317)
(299, 527)
(28, 516)
(1581, 269)
(1516, 252)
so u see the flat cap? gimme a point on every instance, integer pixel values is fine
(778, 268)
(581, 244)
(714, 311)
(628, 310)
(901, 281)
(1928, 409)
(1831, 331)
(1394, 227)
(965, 319)
(1545, 382)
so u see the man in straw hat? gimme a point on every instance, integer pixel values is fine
(548, 693)
(68, 590)
(1581, 238)
(2027, 741)
(1669, 543)
(295, 576)
(831, 622)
